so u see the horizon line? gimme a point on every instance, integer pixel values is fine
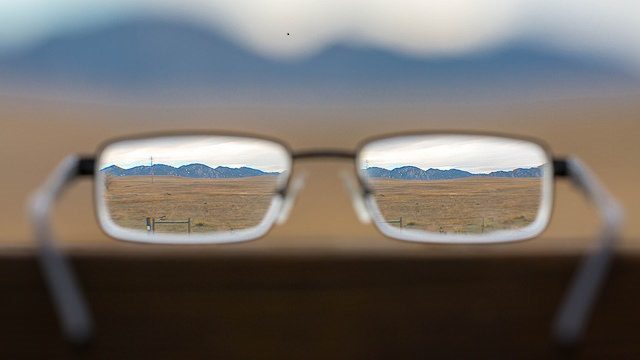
(196, 163)
(453, 168)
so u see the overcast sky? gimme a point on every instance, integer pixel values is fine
(599, 28)
(211, 151)
(470, 153)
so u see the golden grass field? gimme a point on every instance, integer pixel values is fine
(36, 135)
(472, 205)
(210, 204)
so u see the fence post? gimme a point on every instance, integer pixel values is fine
(189, 226)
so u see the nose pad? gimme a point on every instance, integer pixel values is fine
(357, 200)
(290, 198)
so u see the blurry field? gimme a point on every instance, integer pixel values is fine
(210, 204)
(472, 205)
(36, 135)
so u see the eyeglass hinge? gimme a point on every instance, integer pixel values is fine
(560, 167)
(86, 166)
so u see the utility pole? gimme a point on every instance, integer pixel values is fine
(151, 169)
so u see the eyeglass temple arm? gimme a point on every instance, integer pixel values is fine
(575, 309)
(69, 302)
(567, 328)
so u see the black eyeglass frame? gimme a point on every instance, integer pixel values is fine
(570, 320)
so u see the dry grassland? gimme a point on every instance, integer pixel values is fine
(472, 205)
(211, 204)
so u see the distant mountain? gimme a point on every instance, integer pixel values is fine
(189, 171)
(181, 60)
(518, 173)
(415, 173)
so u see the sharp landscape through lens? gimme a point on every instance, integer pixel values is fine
(457, 184)
(190, 185)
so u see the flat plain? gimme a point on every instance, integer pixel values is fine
(471, 205)
(209, 204)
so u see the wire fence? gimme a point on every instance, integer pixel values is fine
(152, 222)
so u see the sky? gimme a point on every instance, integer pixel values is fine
(475, 154)
(424, 28)
(212, 151)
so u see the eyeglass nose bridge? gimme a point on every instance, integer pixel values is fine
(289, 196)
(356, 190)
(358, 195)
(297, 184)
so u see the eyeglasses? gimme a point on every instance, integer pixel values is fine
(435, 187)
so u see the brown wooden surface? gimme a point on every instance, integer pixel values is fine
(348, 307)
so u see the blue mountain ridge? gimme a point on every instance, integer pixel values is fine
(152, 55)
(188, 171)
(415, 173)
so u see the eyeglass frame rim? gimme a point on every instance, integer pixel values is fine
(568, 325)
(87, 169)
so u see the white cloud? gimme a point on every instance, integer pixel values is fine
(476, 154)
(212, 151)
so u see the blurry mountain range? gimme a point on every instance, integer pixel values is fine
(415, 173)
(188, 171)
(174, 60)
